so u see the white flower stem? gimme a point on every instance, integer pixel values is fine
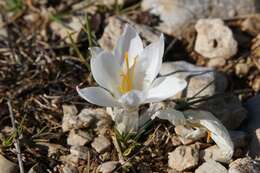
(126, 120)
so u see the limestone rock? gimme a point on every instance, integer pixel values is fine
(86, 116)
(101, 144)
(79, 138)
(80, 152)
(108, 167)
(216, 62)
(252, 24)
(213, 153)
(211, 166)
(244, 165)
(115, 28)
(175, 141)
(103, 121)
(214, 39)
(183, 158)
(178, 16)
(242, 69)
(197, 78)
(69, 117)
(7, 166)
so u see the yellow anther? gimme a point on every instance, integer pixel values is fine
(127, 78)
(209, 137)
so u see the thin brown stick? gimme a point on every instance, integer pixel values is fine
(16, 142)
(118, 149)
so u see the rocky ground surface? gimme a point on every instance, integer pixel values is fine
(44, 55)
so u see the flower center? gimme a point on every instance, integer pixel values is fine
(127, 77)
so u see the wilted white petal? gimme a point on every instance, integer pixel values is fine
(132, 99)
(172, 115)
(165, 87)
(98, 96)
(149, 64)
(95, 51)
(130, 42)
(197, 134)
(106, 71)
(219, 133)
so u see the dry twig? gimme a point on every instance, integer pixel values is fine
(16, 142)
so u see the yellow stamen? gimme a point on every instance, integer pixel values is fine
(128, 77)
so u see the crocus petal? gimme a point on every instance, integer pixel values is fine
(98, 96)
(106, 71)
(132, 99)
(165, 87)
(219, 133)
(172, 115)
(149, 64)
(130, 42)
(196, 134)
(95, 51)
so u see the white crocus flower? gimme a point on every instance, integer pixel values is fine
(127, 77)
(200, 121)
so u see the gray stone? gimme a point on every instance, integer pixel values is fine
(182, 130)
(213, 153)
(173, 171)
(86, 116)
(79, 138)
(211, 166)
(80, 152)
(69, 110)
(175, 141)
(101, 144)
(178, 16)
(251, 24)
(253, 125)
(103, 121)
(197, 78)
(183, 158)
(216, 62)
(214, 39)
(242, 69)
(115, 28)
(7, 166)
(244, 165)
(108, 167)
(69, 117)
